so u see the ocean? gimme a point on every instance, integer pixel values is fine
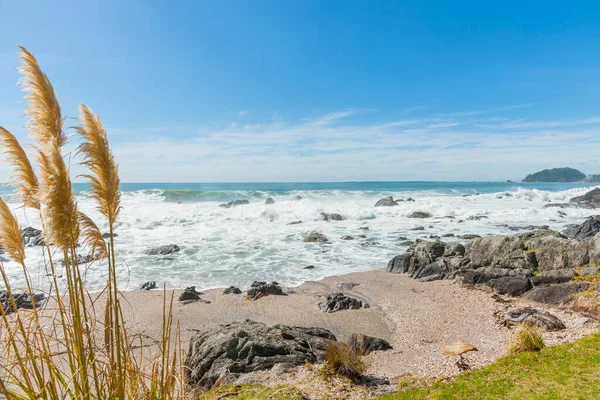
(235, 246)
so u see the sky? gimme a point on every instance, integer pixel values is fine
(253, 91)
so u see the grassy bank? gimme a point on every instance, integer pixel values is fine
(568, 371)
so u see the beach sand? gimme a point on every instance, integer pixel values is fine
(416, 318)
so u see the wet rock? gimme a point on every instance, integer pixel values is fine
(528, 227)
(347, 237)
(558, 294)
(297, 198)
(454, 249)
(269, 200)
(315, 237)
(232, 290)
(340, 301)
(364, 228)
(418, 228)
(148, 285)
(106, 235)
(476, 217)
(468, 236)
(584, 232)
(22, 301)
(559, 205)
(331, 217)
(309, 267)
(32, 237)
(367, 344)
(553, 277)
(447, 235)
(346, 285)
(262, 289)
(190, 294)
(361, 236)
(386, 202)
(234, 203)
(410, 199)
(163, 250)
(420, 214)
(589, 200)
(529, 315)
(295, 223)
(81, 259)
(224, 353)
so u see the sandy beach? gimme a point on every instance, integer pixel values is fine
(416, 318)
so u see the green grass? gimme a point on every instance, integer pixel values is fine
(568, 371)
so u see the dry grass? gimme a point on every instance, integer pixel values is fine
(342, 359)
(72, 351)
(526, 337)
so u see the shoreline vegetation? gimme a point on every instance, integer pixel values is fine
(436, 311)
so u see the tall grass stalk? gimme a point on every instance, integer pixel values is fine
(65, 349)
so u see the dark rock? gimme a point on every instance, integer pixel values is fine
(584, 232)
(163, 250)
(347, 237)
(434, 237)
(106, 235)
(269, 200)
(331, 217)
(190, 294)
(589, 200)
(420, 214)
(430, 272)
(410, 199)
(224, 353)
(346, 285)
(361, 236)
(315, 237)
(32, 237)
(528, 227)
(309, 267)
(511, 285)
(234, 203)
(445, 235)
(476, 217)
(297, 198)
(367, 344)
(364, 228)
(339, 301)
(295, 223)
(418, 228)
(22, 301)
(386, 202)
(468, 236)
(484, 275)
(261, 289)
(533, 316)
(81, 259)
(148, 285)
(232, 290)
(558, 294)
(553, 277)
(559, 205)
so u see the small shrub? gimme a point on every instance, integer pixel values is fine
(526, 337)
(342, 359)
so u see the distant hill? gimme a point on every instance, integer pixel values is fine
(556, 175)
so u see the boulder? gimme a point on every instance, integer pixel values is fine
(589, 200)
(347, 237)
(32, 237)
(557, 294)
(367, 344)
(511, 285)
(190, 294)
(22, 300)
(528, 227)
(224, 353)
(418, 228)
(468, 236)
(497, 251)
(419, 214)
(458, 348)
(163, 250)
(553, 277)
(232, 290)
(315, 237)
(234, 203)
(262, 289)
(430, 272)
(331, 217)
(297, 198)
(529, 315)
(340, 301)
(484, 275)
(584, 232)
(148, 285)
(269, 200)
(552, 252)
(309, 267)
(399, 264)
(386, 202)
(454, 249)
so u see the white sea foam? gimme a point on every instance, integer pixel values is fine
(222, 247)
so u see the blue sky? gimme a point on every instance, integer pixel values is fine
(320, 90)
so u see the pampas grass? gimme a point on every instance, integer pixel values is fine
(24, 179)
(70, 352)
